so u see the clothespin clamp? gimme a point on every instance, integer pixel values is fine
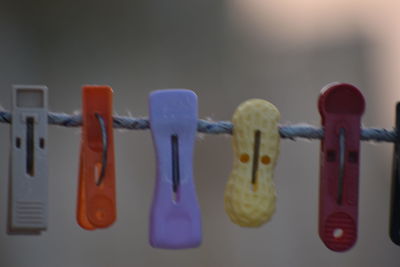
(175, 214)
(250, 192)
(28, 185)
(341, 107)
(96, 192)
(394, 229)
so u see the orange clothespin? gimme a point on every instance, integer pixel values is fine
(96, 192)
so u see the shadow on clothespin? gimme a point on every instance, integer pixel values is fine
(96, 192)
(394, 229)
(341, 107)
(28, 183)
(175, 221)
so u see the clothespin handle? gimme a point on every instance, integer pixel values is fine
(394, 229)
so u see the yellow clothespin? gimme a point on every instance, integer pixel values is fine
(250, 192)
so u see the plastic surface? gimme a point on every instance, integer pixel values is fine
(28, 186)
(250, 192)
(394, 228)
(175, 214)
(341, 106)
(96, 202)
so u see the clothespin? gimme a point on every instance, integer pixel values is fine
(250, 192)
(394, 229)
(28, 185)
(96, 192)
(175, 214)
(341, 107)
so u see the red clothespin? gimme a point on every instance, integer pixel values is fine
(341, 106)
(96, 192)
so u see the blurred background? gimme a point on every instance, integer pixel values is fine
(226, 51)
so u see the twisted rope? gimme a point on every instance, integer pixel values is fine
(210, 127)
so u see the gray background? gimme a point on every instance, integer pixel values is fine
(227, 51)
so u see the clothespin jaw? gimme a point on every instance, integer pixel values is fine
(175, 214)
(341, 107)
(28, 185)
(96, 191)
(250, 192)
(394, 228)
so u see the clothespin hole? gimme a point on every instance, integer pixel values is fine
(244, 158)
(97, 173)
(353, 157)
(30, 146)
(256, 154)
(175, 166)
(41, 143)
(338, 233)
(331, 155)
(18, 142)
(265, 160)
(102, 171)
(254, 187)
(175, 197)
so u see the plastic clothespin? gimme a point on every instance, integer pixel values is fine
(96, 192)
(341, 107)
(250, 192)
(28, 185)
(394, 228)
(175, 214)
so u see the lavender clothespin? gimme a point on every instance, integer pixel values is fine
(175, 214)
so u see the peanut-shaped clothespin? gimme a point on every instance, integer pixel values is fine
(250, 192)
(28, 199)
(341, 107)
(175, 214)
(96, 192)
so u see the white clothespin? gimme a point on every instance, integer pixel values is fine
(28, 189)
